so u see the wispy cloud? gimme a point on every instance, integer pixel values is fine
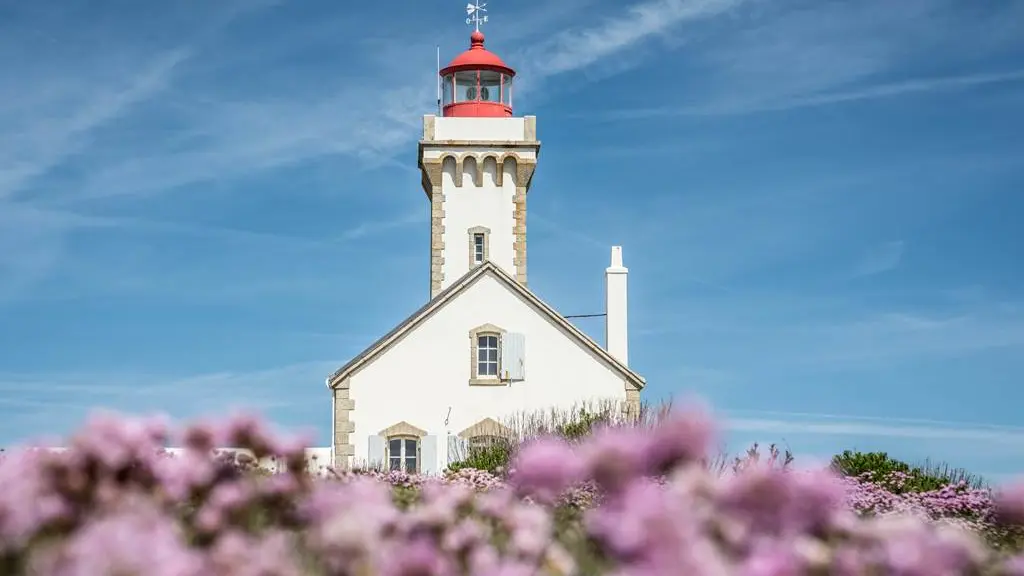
(895, 336)
(787, 56)
(71, 95)
(896, 89)
(210, 134)
(382, 226)
(574, 49)
(881, 258)
(34, 242)
(840, 425)
(38, 240)
(871, 92)
(61, 137)
(829, 332)
(370, 121)
(47, 403)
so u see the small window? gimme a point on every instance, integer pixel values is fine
(477, 242)
(490, 86)
(478, 248)
(403, 455)
(506, 89)
(465, 86)
(487, 355)
(485, 358)
(447, 85)
(485, 441)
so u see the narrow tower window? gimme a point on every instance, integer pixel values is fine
(478, 248)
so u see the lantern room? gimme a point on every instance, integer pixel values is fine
(477, 83)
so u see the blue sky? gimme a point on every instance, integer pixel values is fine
(206, 205)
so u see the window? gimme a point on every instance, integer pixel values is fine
(485, 435)
(478, 248)
(447, 85)
(483, 442)
(478, 245)
(465, 86)
(403, 454)
(487, 355)
(506, 89)
(490, 86)
(403, 447)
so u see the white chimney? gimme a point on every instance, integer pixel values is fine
(616, 331)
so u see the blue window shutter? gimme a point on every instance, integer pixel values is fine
(375, 453)
(428, 455)
(513, 357)
(457, 449)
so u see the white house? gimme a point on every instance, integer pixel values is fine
(484, 346)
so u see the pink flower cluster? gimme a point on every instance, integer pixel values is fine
(884, 496)
(642, 502)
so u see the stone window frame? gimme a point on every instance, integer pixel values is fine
(403, 431)
(476, 379)
(488, 428)
(472, 232)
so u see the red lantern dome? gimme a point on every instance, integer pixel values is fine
(477, 83)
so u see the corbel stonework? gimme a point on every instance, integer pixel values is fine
(432, 177)
(458, 169)
(478, 179)
(472, 248)
(499, 174)
(474, 334)
(403, 428)
(486, 427)
(344, 427)
(524, 174)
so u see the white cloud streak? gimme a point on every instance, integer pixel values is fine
(370, 120)
(867, 93)
(56, 140)
(790, 55)
(212, 136)
(576, 49)
(840, 425)
(38, 404)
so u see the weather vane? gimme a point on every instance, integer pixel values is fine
(477, 13)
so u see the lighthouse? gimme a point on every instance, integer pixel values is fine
(484, 347)
(477, 160)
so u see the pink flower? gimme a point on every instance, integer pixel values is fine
(544, 468)
(613, 457)
(1009, 504)
(684, 437)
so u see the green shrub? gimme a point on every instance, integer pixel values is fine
(879, 464)
(882, 467)
(493, 458)
(581, 423)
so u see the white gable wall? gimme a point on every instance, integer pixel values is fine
(428, 371)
